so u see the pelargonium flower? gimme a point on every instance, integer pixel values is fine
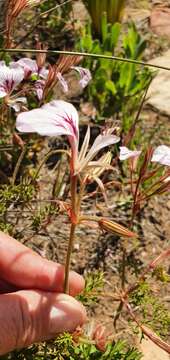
(85, 75)
(30, 68)
(9, 79)
(61, 118)
(125, 153)
(161, 155)
(39, 88)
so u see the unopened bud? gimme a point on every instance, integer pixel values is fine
(116, 228)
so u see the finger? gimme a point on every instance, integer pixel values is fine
(6, 287)
(31, 316)
(25, 269)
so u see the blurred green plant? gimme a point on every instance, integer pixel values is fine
(111, 9)
(64, 348)
(43, 216)
(117, 87)
(54, 17)
(93, 286)
(153, 312)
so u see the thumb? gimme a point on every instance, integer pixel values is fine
(31, 316)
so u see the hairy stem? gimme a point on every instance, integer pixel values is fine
(74, 217)
(68, 258)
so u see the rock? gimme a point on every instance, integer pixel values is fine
(152, 352)
(160, 21)
(137, 15)
(159, 91)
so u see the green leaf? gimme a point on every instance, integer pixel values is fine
(115, 33)
(111, 87)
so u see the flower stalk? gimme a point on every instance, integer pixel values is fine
(74, 219)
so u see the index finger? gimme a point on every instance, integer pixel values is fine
(25, 269)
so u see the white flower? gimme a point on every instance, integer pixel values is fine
(125, 153)
(9, 79)
(161, 155)
(85, 75)
(61, 118)
(30, 68)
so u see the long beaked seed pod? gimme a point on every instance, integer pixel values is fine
(116, 228)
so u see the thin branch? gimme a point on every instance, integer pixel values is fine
(84, 54)
(55, 8)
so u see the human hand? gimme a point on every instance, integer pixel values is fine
(32, 306)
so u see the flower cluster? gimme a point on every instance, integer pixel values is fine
(35, 78)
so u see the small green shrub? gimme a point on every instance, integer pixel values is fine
(117, 87)
(64, 348)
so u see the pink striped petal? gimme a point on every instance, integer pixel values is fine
(125, 153)
(9, 79)
(63, 82)
(85, 75)
(55, 118)
(39, 88)
(30, 67)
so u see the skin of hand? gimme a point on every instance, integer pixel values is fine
(32, 305)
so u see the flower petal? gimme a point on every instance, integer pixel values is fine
(125, 153)
(39, 88)
(17, 103)
(63, 82)
(161, 155)
(85, 75)
(43, 73)
(52, 119)
(28, 65)
(85, 145)
(3, 92)
(101, 142)
(9, 79)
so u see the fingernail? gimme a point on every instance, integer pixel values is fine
(66, 314)
(77, 281)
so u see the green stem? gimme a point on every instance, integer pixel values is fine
(18, 164)
(68, 258)
(74, 216)
(123, 279)
(45, 13)
(77, 53)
